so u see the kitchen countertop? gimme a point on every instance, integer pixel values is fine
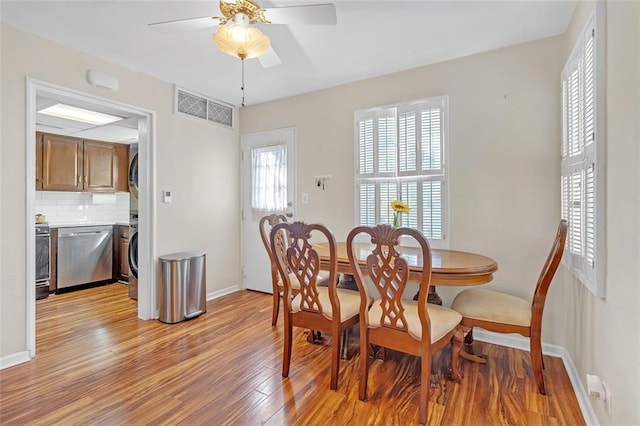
(75, 225)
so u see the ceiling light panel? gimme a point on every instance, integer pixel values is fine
(79, 114)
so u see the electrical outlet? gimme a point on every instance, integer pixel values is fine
(594, 386)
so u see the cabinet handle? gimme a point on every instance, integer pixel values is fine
(79, 180)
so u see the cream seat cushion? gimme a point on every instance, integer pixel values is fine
(323, 280)
(349, 303)
(443, 320)
(493, 306)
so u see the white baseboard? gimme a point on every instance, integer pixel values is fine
(223, 292)
(519, 342)
(14, 359)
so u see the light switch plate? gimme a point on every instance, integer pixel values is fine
(305, 198)
(166, 196)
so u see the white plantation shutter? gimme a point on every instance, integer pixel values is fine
(588, 69)
(367, 199)
(409, 194)
(387, 144)
(589, 215)
(365, 147)
(576, 201)
(432, 209)
(582, 164)
(431, 139)
(388, 191)
(400, 156)
(407, 142)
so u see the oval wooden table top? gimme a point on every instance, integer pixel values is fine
(448, 267)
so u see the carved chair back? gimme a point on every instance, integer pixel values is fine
(266, 224)
(302, 263)
(389, 273)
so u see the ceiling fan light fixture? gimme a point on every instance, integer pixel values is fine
(240, 41)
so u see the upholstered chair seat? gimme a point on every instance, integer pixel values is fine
(349, 303)
(480, 303)
(323, 281)
(443, 319)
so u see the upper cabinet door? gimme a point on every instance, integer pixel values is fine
(122, 172)
(61, 163)
(100, 166)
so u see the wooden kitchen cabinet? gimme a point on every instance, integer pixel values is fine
(122, 163)
(73, 164)
(100, 166)
(62, 163)
(121, 252)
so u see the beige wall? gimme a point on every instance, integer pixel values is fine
(197, 161)
(601, 334)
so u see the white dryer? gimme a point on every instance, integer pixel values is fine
(133, 177)
(133, 221)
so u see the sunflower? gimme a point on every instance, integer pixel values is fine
(400, 207)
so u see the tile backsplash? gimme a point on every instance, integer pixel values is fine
(81, 207)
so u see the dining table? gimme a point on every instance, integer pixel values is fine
(448, 267)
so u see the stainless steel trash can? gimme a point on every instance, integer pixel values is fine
(183, 288)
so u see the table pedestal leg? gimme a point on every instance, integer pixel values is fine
(348, 282)
(432, 296)
(314, 337)
(467, 350)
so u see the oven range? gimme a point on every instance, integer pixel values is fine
(43, 260)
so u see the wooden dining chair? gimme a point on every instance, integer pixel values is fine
(504, 313)
(405, 325)
(266, 224)
(325, 309)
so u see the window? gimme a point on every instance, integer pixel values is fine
(582, 165)
(400, 155)
(268, 180)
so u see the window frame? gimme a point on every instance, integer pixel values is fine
(590, 157)
(375, 177)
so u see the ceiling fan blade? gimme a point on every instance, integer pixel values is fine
(314, 14)
(270, 59)
(184, 24)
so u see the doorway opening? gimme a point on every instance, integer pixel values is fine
(142, 122)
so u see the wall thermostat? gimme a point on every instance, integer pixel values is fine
(166, 196)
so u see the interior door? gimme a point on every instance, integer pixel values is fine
(262, 156)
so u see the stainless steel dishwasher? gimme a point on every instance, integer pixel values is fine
(85, 255)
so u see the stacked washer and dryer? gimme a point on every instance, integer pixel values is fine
(133, 221)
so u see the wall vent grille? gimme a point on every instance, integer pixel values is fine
(204, 108)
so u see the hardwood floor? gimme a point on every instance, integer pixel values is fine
(97, 363)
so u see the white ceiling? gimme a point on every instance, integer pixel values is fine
(371, 38)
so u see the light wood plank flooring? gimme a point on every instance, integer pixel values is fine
(98, 364)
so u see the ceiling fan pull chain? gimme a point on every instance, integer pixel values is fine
(242, 86)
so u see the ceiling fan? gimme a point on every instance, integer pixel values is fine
(236, 35)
